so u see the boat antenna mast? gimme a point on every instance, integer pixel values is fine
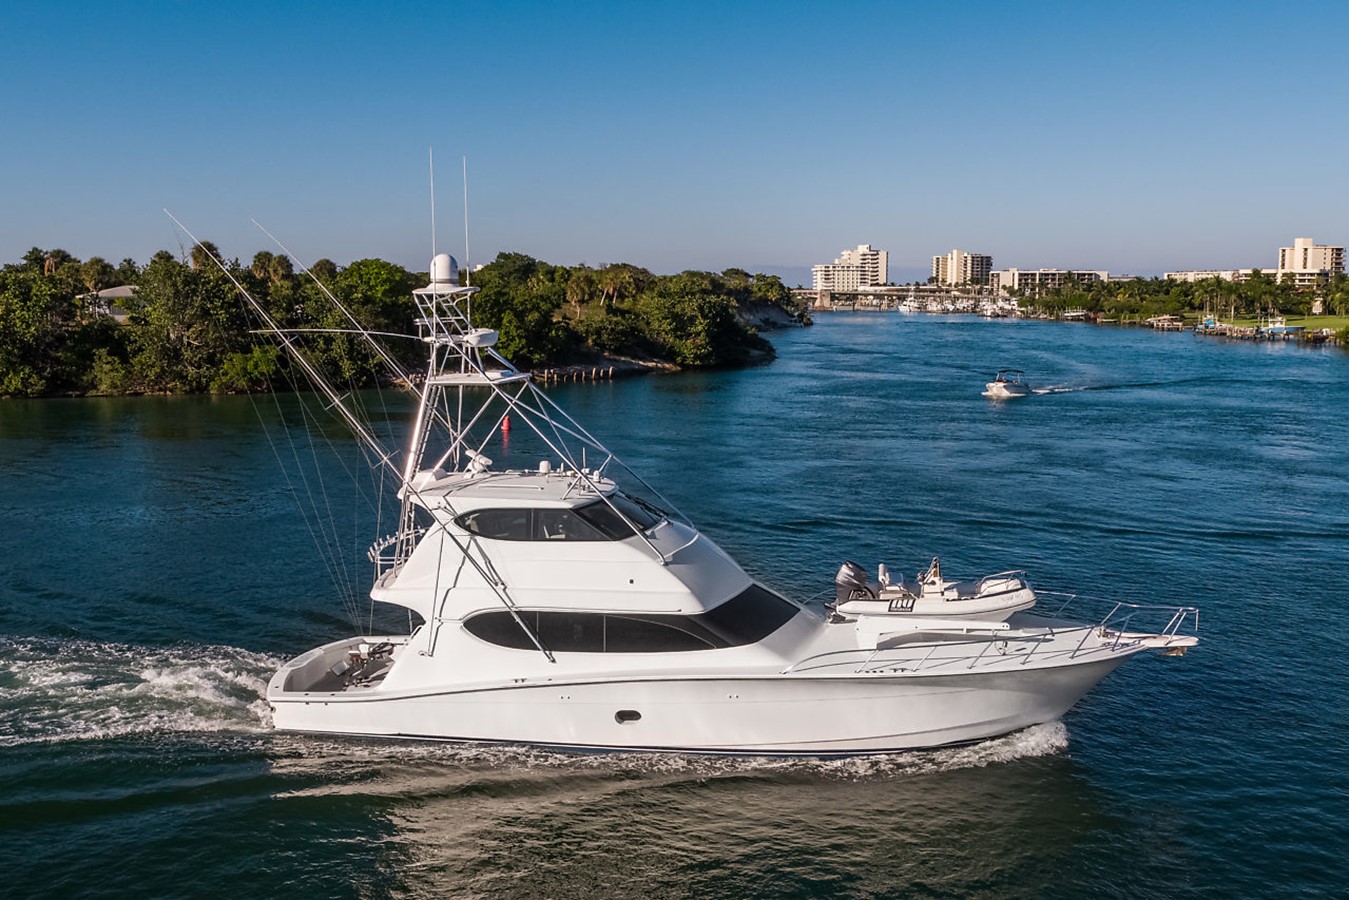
(431, 163)
(468, 267)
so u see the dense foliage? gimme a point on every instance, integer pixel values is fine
(1262, 294)
(187, 328)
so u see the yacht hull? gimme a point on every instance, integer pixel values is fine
(769, 714)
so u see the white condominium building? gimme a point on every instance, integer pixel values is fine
(853, 270)
(836, 277)
(960, 267)
(1206, 274)
(1039, 280)
(1305, 261)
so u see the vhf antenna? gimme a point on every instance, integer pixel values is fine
(468, 269)
(431, 161)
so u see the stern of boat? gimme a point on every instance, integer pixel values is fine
(360, 661)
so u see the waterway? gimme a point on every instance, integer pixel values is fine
(154, 572)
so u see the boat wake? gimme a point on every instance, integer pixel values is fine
(323, 753)
(63, 690)
(1079, 388)
(57, 690)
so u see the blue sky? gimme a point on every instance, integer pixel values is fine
(1130, 137)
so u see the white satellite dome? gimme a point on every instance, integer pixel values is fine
(444, 270)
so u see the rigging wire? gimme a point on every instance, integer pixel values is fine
(312, 497)
(308, 514)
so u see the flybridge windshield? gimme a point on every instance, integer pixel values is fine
(594, 522)
(599, 514)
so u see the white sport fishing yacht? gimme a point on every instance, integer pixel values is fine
(566, 604)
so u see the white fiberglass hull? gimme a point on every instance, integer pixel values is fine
(991, 608)
(815, 714)
(999, 391)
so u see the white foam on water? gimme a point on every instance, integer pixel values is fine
(1039, 740)
(60, 690)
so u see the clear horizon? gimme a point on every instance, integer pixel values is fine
(763, 136)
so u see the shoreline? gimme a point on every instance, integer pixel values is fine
(1307, 336)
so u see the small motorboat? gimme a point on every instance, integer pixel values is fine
(1008, 383)
(929, 596)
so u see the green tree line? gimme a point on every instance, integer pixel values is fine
(1261, 294)
(187, 329)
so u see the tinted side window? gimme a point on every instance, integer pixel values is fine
(500, 524)
(501, 629)
(653, 634)
(746, 618)
(568, 632)
(566, 525)
(749, 616)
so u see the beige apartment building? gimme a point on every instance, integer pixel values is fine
(1306, 261)
(961, 267)
(853, 270)
(1039, 280)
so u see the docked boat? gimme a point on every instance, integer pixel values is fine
(1278, 327)
(567, 604)
(1008, 383)
(928, 595)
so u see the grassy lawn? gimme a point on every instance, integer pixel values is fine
(1312, 323)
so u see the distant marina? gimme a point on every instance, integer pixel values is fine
(1308, 283)
(940, 300)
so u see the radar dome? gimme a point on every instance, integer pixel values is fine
(444, 270)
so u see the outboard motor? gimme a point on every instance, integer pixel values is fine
(851, 583)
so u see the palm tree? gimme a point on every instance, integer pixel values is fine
(616, 280)
(54, 260)
(96, 272)
(203, 253)
(324, 270)
(280, 268)
(580, 287)
(262, 264)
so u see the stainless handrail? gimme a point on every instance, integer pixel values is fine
(845, 657)
(1018, 574)
(1116, 625)
(1113, 627)
(401, 541)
